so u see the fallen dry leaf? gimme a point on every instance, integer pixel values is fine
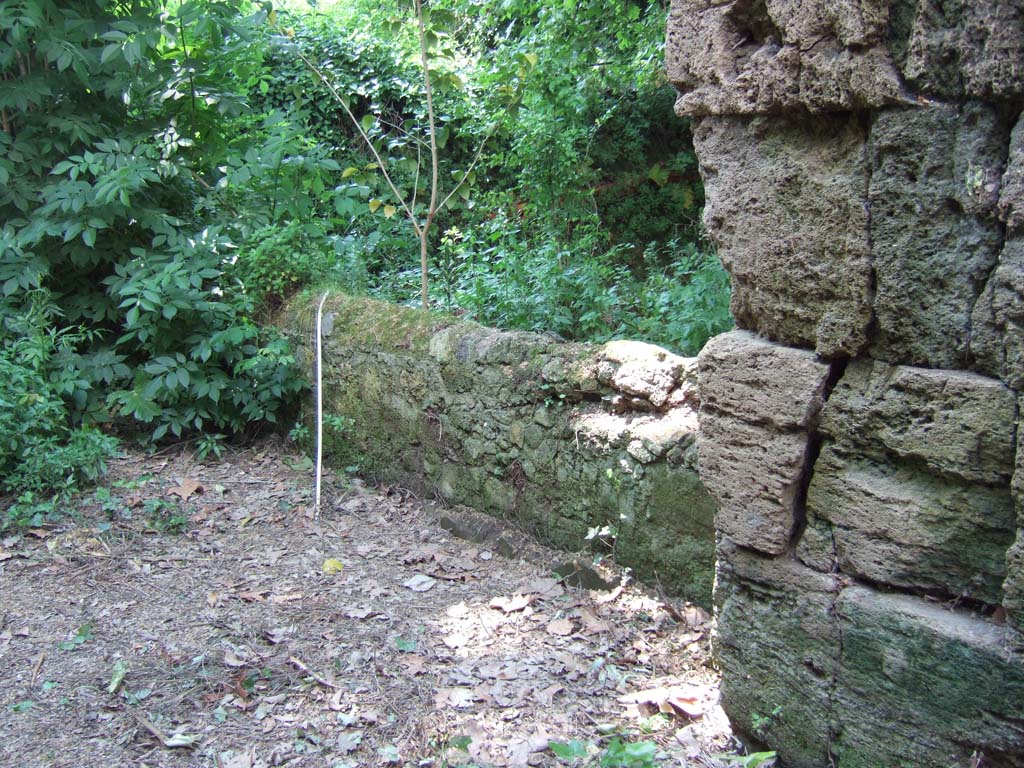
(458, 697)
(516, 602)
(186, 488)
(560, 627)
(419, 583)
(687, 700)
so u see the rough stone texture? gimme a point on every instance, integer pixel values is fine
(748, 57)
(742, 57)
(911, 487)
(959, 48)
(998, 321)
(939, 685)
(740, 376)
(883, 679)
(562, 438)
(949, 423)
(759, 402)
(1013, 588)
(786, 207)
(892, 524)
(864, 174)
(934, 186)
(776, 635)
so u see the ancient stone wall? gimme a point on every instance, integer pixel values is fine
(864, 172)
(564, 439)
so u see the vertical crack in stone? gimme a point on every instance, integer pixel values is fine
(814, 442)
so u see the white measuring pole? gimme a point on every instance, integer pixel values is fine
(319, 400)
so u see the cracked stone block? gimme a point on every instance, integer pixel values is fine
(759, 401)
(777, 645)
(920, 684)
(958, 48)
(997, 340)
(755, 476)
(745, 57)
(894, 524)
(786, 207)
(935, 178)
(951, 423)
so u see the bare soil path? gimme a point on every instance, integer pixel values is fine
(195, 614)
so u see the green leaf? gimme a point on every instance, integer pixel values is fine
(568, 750)
(117, 676)
(367, 122)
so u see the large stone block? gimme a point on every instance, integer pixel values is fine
(934, 233)
(925, 686)
(778, 647)
(760, 382)
(744, 57)
(755, 474)
(1013, 588)
(897, 525)
(958, 48)
(786, 207)
(934, 186)
(951, 423)
(759, 401)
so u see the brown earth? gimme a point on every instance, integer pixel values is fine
(198, 614)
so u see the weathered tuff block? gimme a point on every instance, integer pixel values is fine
(935, 237)
(759, 401)
(805, 655)
(997, 340)
(1014, 585)
(743, 57)
(961, 48)
(940, 686)
(950, 423)
(911, 485)
(785, 204)
(900, 526)
(778, 647)
(739, 57)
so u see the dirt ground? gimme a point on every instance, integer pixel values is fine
(197, 614)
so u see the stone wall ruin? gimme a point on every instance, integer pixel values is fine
(562, 439)
(864, 171)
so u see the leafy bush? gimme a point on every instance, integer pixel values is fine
(117, 126)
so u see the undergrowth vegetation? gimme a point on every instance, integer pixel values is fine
(171, 173)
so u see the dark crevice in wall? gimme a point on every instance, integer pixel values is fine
(814, 443)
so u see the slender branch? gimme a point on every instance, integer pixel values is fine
(472, 165)
(366, 140)
(432, 208)
(416, 179)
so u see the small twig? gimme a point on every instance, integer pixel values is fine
(297, 663)
(666, 602)
(35, 669)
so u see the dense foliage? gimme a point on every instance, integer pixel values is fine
(171, 172)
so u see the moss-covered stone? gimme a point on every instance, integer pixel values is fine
(524, 427)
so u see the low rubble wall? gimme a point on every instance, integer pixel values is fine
(586, 446)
